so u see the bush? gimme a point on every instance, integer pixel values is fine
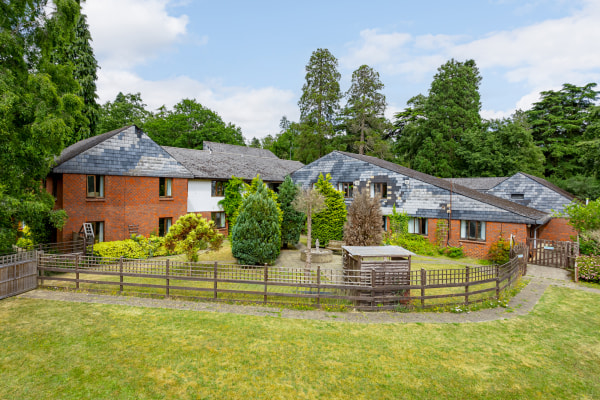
(415, 243)
(191, 233)
(120, 248)
(363, 227)
(329, 224)
(589, 243)
(293, 221)
(452, 252)
(499, 252)
(589, 268)
(256, 236)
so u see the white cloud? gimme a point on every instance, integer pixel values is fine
(374, 48)
(130, 32)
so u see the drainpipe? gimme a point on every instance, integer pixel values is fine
(449, 211)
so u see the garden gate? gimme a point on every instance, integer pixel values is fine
(552, 253)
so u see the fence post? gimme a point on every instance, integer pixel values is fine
(373, 287)
(38, 255)
(576, 272)
(167, 276)
(215, 281)
(318, 286)
(121, 274)
(423, 283)
(266, 283)
(497, 267)
(77, 271)
(467, 278)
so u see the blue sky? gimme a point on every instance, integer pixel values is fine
(246, 59)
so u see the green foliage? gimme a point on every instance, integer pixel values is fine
(319, 105)
(329, 224)
(398, 222)
(499, 252)
(256, 236)
(589, 242)
(127, 109)
(192, 233)
(416, 243)
(285, 143)
(584, 187)
(364, 113)
(189, 124)
(584, 217)
(452, 252)
(122, 248)
(233, 199)
(589, 268)
(293, 221)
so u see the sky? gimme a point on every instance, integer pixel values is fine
(246, 59)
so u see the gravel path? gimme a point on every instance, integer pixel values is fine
(539, 279)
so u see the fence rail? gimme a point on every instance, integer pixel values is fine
(553, 253)
(18, 273)
(380, 289)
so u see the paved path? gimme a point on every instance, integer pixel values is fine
(540, 278)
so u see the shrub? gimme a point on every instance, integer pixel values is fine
(120, 248)
(329, 224)
(191, 233)
(256, 236)
(233, 199)
(452, 252)
(415, 243)
(589, 268)
(499, 252)
(293, 221)
(363, 227)
(589, 243)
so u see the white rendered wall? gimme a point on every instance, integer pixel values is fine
(199, 198)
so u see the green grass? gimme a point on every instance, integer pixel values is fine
(60, 350)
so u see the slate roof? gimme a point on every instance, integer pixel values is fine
(205, 164)
(86, 144)
(233, 149)
(539, 216)
(550, 186)
(481, 184)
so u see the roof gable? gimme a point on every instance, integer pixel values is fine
(124, 152)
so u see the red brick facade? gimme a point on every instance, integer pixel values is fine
(128, 200)
(557, 229)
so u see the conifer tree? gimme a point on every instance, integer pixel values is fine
(293, 221)
(256, 237)
(329, 223)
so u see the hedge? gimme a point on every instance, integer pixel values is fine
(589, 268)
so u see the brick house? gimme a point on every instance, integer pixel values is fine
(123, 182)
(456, 214)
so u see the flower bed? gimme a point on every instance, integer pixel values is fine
(588, 268)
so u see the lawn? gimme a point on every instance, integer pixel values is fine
(65, 350)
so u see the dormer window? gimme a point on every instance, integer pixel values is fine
(517, 196)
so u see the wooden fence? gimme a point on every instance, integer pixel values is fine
(552, 253)
(18, 273)
(279, 285)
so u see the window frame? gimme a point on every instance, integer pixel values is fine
(223, 219)
(165, 187)
(217, 188)
(382, 189)
(466, 227)
(98, 185)
(347, 188)
(422, 225)
(164, 224)
(98, 228)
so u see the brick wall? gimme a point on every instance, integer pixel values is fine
(557, 229)
(479, 249)
(128, 200)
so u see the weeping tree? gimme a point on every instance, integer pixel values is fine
(256, 236)
(363, 227)
(309, 201)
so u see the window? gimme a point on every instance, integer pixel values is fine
(380, 188)
(385, 223)
(164, 224)
(347, 188)
(218, 188)
(472, 230)
(417, 226)
(517, 196)
(165, 187)
(95, 186)
(98, 227)
(219, 218)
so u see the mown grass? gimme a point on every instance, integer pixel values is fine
(60, 350)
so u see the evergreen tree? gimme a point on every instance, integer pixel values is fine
(293, 221)
(319, 106)
(233, 200)
(408, 130)
(256, 237)
(284, 144)
(39, 108)
(189, 124)
(363, 227)
(127, 109)
(365, 122)
(329, 223)
(255, 142)
(192, 233)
